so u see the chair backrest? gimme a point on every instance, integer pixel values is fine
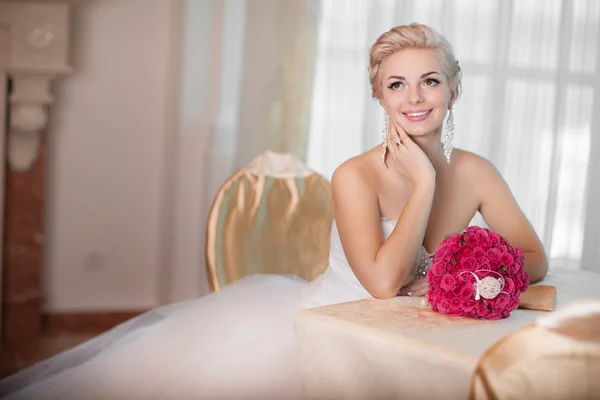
(556, 358)
(273, 216)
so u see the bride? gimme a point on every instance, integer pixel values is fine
(392, 205)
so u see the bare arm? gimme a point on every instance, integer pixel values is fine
(504, 216)
(381, 267)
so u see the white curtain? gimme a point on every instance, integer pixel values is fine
(246, 84)
(530, 101)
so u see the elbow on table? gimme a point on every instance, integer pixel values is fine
(539, 273)
(383, 291)
(538, 269)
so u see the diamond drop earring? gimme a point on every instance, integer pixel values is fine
(448, 136)
(384, 132)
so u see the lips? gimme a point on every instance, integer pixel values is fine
(417, 115)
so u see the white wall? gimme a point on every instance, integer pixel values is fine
(109, 159)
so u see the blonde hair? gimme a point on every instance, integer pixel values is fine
(413, 36)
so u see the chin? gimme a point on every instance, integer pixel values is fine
(419, 130)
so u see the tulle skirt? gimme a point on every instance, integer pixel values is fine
(238, 343)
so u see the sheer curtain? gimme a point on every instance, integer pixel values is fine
(246, 83)
(530, 100)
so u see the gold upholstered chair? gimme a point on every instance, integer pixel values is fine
(272, 216)
(556, 358)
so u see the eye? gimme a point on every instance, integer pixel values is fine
(430, 82)
(395, 85)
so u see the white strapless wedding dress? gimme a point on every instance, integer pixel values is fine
(238, 343)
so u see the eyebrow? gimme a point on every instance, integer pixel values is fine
(403, 78)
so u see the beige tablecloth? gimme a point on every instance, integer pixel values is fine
(400, 349)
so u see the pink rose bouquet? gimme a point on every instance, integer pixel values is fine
(476, 274)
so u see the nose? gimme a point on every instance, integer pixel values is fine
(415, 95)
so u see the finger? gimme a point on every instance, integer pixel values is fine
(422, 291)
(418, 287)
(395, 136)
(402, 134)
(413, 287)
(391, 142)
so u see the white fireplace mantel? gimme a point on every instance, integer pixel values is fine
(34, 51)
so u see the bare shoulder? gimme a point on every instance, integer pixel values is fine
(474, 167)
(354, 180)
(355, 171)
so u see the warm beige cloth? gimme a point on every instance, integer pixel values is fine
(400, 349)
(554, 359)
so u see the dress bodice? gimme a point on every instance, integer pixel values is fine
(339, 284)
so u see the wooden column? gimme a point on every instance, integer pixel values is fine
(23, 296)
(34, 54)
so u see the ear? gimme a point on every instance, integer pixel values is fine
(452, 98)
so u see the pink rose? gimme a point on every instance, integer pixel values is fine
(519, 253)
(457, 288)
(437, 268)
(494, 254)
(448, 282)
(524, 283)
(456, 312)
(453, 247)
(478, 253)
(493, 315)
(494, 237)
(447, 296)
(473, 240)
(487, 243)
(501, 302)
(446, 256)
(435, 280)
(468, 305)
(521, 280)
(455, 302)
(524, 278)
(487, 266)
(495, 266)
(483, 235)
(444, 306)
(466, 292)
(467, 279)
(453, 265)
(469, 264)
(513, 303)
(507, 259)
(433, 297)
(481, 309)
(453, 239)
(509, 285)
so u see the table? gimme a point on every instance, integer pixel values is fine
(399, 348)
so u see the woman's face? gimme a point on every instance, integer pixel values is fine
(414, 90)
